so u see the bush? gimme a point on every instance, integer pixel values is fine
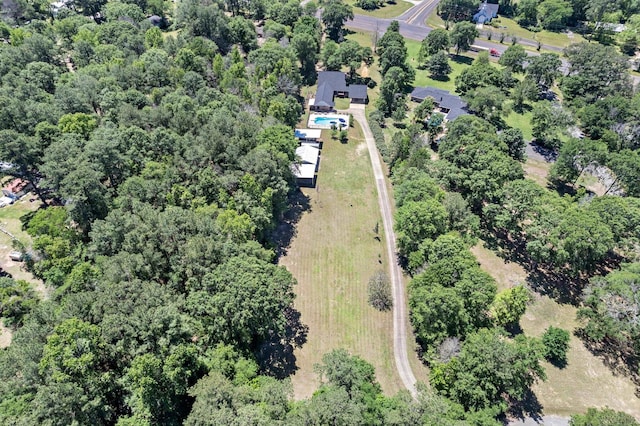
(367, 4)
(556, 343)
(378, 136)
(379, 290)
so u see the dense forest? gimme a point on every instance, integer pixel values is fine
(161, 150)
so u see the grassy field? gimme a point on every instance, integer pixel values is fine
(333, 255)
(510, 28)
(458, 64)
(389, 10)
(586, 381)
(550, 38)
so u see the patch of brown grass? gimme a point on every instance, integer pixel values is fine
(585, 381)
(537, 171)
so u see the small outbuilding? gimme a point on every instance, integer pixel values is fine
(307, 165)
(309, 137)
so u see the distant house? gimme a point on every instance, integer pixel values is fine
(305, 169)
(486, 13)
(309, 137)
(331, 84)
(16, 188)
(451, 106)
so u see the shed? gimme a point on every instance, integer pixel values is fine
(305, 169)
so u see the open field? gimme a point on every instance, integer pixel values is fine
(388, 10)
(585, 381)
(333, 255)
(521, 121)
(537, 171)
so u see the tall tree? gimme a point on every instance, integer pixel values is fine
(462, 36)
(334, 14)
(457, 10)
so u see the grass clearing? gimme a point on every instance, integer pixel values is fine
(388, 10)
(333, 255)
(10, 222)
(550, 38)
(521, 121)
(586, 381)
(537, 170)
(458, 64)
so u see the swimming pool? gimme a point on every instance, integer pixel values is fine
(325, 121)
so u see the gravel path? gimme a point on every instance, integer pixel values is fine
(399, 308)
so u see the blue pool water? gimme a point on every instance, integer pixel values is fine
(329, 120)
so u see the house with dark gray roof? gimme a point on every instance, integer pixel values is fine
(332, 84)
(486, 13)
(451, 106)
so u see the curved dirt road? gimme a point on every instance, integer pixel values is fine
(399, 308)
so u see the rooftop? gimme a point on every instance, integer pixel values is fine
(308, 133)
(443, 99)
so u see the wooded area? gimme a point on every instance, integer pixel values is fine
(162, 162)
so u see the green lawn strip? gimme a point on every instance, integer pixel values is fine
(388, 10)
(521, 121)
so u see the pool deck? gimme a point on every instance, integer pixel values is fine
(333, 116)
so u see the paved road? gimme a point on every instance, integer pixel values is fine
(413, 26)
(399, 308)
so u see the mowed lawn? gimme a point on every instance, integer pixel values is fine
(388, 10)
(586, 381)
(333, 255)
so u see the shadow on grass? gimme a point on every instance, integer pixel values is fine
(442, 78)
(528, 406)
(275, 356)
(620, 360)
(460, 59)
(561, 286)
(285, 231)
(558, 363)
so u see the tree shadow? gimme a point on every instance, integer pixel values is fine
(443, 78)
(284, 232)
(560, 285)
(528, 406)
(276, 355)
(621, 361)
(460, 59)
(550, 155)
(558, 363)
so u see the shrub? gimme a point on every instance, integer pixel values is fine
(379, 290)
(556, 343)
(378, 136)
